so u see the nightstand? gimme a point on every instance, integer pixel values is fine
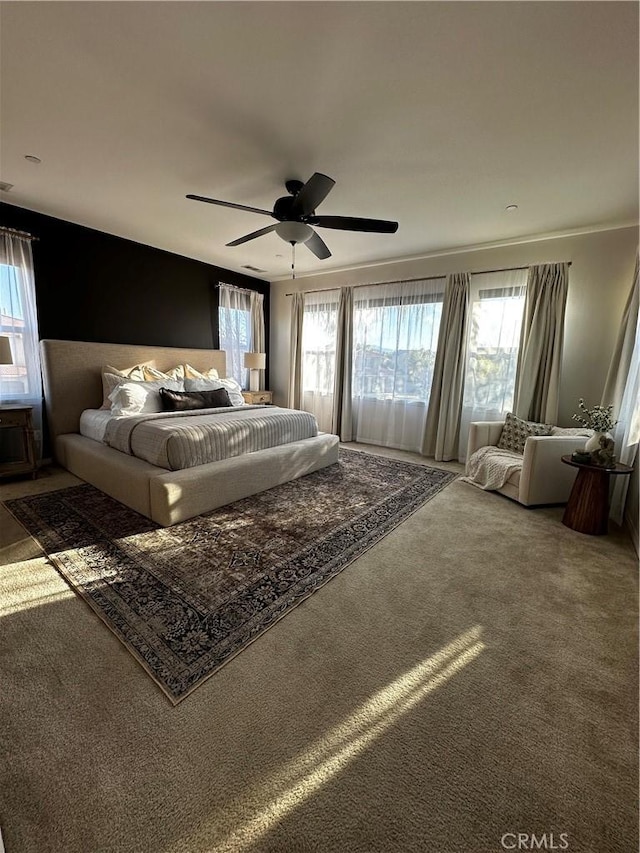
(254, 397)
(17, 445)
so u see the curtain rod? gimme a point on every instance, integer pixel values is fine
(421, 278)
(235, 287)
(15, 231)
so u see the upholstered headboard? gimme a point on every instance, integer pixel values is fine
(72, 373)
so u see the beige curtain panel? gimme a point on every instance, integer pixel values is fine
(342, 419)
(442, 429)
(295, 358)
(258, 338)
(621, 359)
(541, 341)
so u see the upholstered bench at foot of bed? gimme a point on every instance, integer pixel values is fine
(168, 497)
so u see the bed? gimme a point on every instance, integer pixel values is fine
(73, 390)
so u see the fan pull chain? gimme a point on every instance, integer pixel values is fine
(293, 260)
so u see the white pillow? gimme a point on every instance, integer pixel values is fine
(579, 431)
(112, 376)
(191, 373)
(140, 398)
(231, 385)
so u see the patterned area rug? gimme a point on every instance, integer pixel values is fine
(185, 599)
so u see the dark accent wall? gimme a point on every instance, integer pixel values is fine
(92, 286)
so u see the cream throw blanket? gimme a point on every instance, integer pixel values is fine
(490, 467)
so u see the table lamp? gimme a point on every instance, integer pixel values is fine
(255, 362)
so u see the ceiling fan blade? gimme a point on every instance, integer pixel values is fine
(318, 246)
(312, 193)
(228, 204)
(253, 235)
(354, 223)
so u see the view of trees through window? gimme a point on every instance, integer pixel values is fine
(394, 348)
(494, 338)
(14, 379)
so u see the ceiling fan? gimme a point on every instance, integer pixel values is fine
(296, 213)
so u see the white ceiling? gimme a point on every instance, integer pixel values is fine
(435, 114)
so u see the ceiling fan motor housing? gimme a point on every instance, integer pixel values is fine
(282, 209)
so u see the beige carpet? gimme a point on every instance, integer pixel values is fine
(473, 674)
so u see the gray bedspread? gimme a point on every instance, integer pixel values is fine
(176, 440)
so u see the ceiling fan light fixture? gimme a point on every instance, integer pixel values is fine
(294, 232)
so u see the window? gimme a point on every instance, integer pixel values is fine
(395, 344)
(241, 328)
(497, 306)
(395, 337)
(319, 355)
(14, 377)
(235, 340)
(20, 382)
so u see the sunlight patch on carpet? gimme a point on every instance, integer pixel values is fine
(30, 584)
(303, 777)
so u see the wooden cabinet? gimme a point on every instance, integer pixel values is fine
(254, 397)
(17, 445)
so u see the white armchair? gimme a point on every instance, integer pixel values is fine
(543, 477)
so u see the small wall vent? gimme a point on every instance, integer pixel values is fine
(5, 187)
(253, 269)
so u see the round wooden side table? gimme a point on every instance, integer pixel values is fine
(588, 508)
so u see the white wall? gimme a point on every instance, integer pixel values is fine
(599, 281)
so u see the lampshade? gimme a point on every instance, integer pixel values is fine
(5, 350)
(294, 232)
(255, 360)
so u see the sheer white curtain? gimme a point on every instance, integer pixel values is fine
(319, 340)
(622, 389)
(241, 327)
(626, 433)
(497, 307)
(395, 335)
(20, 382)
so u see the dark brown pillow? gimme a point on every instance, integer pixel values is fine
(182, 401)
